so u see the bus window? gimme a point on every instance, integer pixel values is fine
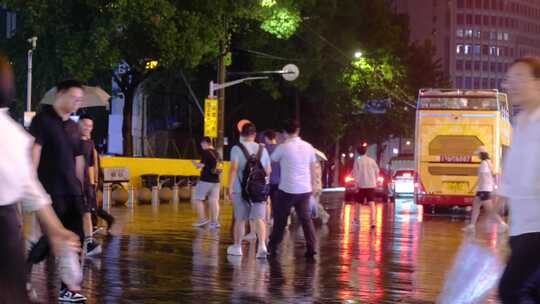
(458, 103)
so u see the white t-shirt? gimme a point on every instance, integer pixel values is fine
(295, 157)
(485, 177)
(365, 172)
(521, 175)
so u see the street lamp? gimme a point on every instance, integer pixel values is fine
(358, 54)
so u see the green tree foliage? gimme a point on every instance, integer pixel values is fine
(86, 39)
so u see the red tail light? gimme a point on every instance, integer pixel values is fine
(349, 179)
(406, 175)
(380, 179)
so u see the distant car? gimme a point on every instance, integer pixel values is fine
(381, 192)
(403, 183)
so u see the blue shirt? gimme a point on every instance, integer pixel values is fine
(276, 169)
(238, 156)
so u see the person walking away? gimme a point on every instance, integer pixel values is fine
(60, 166)
(248, 155)
(271, 145)
(365, 173)
(20, 184)
(297, 160)
(208, 185)
(100, 212)
(520, 184)
(484, 187)
(317, 209)
(84, 130)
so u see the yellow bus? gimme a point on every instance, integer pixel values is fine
(450, 126)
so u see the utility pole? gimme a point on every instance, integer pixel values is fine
(33, 43)
(221, 99)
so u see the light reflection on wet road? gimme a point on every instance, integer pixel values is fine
(155, 256)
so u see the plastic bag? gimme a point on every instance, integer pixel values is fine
(475, 273)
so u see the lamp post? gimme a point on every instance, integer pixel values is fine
(290, 72)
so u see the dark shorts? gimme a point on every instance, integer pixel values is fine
(90, 202)
(483, 195)
(365, 195)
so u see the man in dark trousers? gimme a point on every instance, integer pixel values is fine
(298, 164)
(20, 184)
(60, 165)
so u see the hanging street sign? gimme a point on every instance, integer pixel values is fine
(211, 117)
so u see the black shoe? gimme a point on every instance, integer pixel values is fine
(272, 251)
(310, 254)
(93, 248)
(71, 296)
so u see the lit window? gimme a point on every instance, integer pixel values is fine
(459, 49)
(476, 49)
(506, 36)
(499, 36)
(467, 49)
(477, 34)
(459, 33)
(468, 33)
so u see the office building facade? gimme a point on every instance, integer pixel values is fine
(476, 40)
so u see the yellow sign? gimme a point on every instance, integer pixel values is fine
(211, 117)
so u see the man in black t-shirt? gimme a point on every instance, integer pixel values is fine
(60, 164)
(208, 185)
(91, 176)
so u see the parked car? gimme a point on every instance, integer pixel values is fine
(381, 192)
(403, 183)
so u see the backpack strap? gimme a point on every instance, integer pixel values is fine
(259, 152)
(244, 150)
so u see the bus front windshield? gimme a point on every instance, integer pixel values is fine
(458, 103)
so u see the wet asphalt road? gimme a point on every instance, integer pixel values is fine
(155, 256)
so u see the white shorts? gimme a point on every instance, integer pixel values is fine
(205, 190)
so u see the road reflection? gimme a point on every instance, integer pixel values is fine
(156, 256)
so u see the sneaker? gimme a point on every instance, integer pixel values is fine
(250, 237)
(214, 226)
(469, 228)
(235, 250)
(262, 253)
(96, 230)
(71, 296)
(200, 223)
(92, 248)
(29, 246)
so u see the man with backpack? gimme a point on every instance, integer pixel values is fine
(298, 166)
(248, 186)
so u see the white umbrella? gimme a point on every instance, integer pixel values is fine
(93, 97)
(320, 155)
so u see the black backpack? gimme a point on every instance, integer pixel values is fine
(255, 186)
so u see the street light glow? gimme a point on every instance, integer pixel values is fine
(357, 54)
